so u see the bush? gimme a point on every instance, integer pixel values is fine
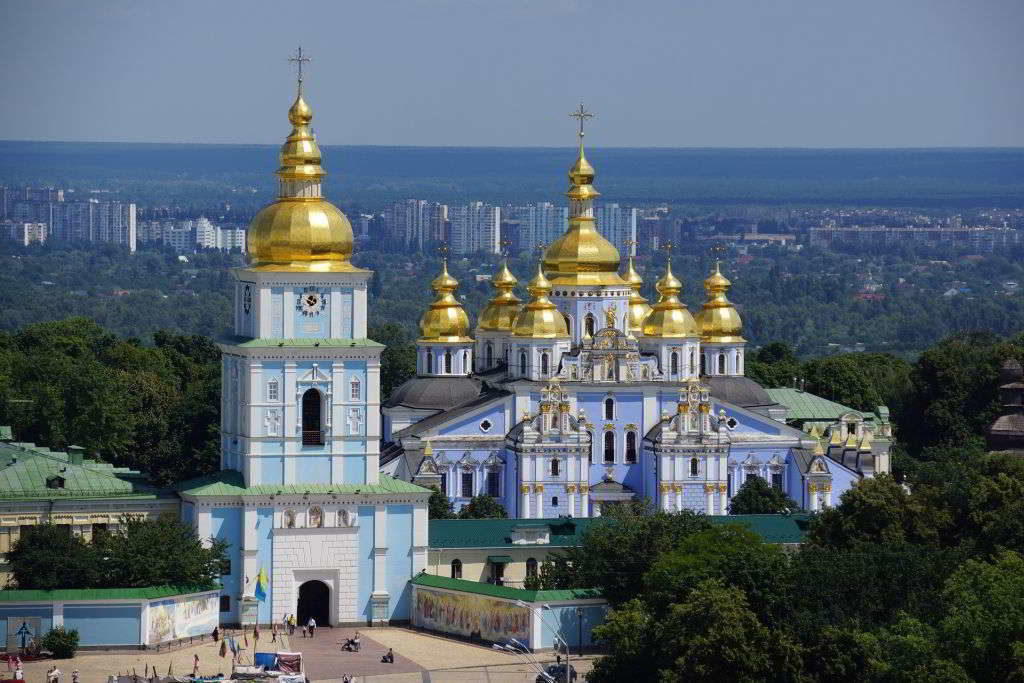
(60, 642)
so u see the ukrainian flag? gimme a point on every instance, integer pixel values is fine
(261, 586)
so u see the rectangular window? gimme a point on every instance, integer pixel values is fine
(273, 393)
(497, 572)
(225, 567)
(355, 390)
(444, 483)
(777, 480)
(492, 484)
(225, 603)
(467, 484)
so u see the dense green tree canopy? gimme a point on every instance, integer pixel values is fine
(483, 507)
(758, 497)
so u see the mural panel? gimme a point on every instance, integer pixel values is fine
(182, 617)
(471, 616)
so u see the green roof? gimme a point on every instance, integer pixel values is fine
(231, 483)
(26, 469)
(771, 528)
(497, 533)
(17, 595)
(267, 342)
(805, 406)
(505, 592)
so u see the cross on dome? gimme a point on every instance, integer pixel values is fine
(298, 59)
(581, 115)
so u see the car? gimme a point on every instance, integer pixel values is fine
(556, 673)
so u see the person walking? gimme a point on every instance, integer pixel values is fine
(291, 625)
(312, 626)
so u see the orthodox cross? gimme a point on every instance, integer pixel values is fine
(668, 250)
(505, 244)
(581, 115)
(718, 250)
(298, 59)
(443, 251)
(629, 246)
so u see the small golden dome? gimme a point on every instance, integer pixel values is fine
(445, 321)
(582, 256)
(540, 319)
(669, 317)
(718, 320)
(639, 309)
(500, 313)
(301, 231)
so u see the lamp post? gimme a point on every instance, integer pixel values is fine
(579, 635)
(556, 631)
(524, 653)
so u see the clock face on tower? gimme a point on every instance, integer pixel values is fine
(247, 299)
(311, 301)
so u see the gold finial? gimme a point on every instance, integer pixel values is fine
(581, 115)
(718, 249)
(298, 59)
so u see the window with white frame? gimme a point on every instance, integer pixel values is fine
(355, 389)
(273, 390)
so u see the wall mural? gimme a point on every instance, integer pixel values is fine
(471, 616)
(182, 617)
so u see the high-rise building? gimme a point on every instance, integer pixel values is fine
(24, 233)
(73, 221)
(617, 224)
(539, 224)
(205, 233)
(475, 228)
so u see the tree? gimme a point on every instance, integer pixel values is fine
(439, 506)
(155, 552)
(48, 556)
(60, 642)
(630, 633)
(984, 622)
(398, 360)
(861, 381)
(483, 507)
(758, 497)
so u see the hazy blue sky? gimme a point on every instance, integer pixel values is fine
(672, 73)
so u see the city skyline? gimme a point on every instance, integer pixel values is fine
(738, 74)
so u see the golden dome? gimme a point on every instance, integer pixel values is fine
(582, 256)
(639, 309)
(501, 311)
(539, 318)
(719, 321)
(301, 231)
(445, 321)
(669, 317)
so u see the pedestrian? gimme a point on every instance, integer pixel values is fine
(76, 676)
(291, 625)
(389, 657)
(216, 633)
(304, 629)
(312, 626)
(19, 673)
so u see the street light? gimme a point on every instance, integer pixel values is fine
(579, 635)
(525, 654)
(556, 631)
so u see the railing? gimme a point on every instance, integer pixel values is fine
(312, 437)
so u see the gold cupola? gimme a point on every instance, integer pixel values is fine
(540, 319)
(669, 317)
(718, 320)
(639, 309)
(301, 231)
(445, 321)
(582, 256)
(499, 315)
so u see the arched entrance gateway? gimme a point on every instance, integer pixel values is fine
(314, 601)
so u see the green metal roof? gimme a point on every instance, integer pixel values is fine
(805, 406)
(497, 533)
(268, 342)
(464, 586)
(152, 592)
(771, 528)
(25, 469)
(231, 483)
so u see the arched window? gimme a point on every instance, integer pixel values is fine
(311, 432)
(609, 446)
(531, 568)
(355, 390)
(631, 447)
(489, 355)
(554, 420)
(609, 409)
(544, 363)
(273, 390)
(721, 364)
(590, 453)
(568, 323)
(456, 569)
(693, 361)
(675, 363)
(522, 362)
(554, 501)
(739, 362)
(588, 324)
(430, 362)
(448, 361)
(465, 361)
(554, 467)
(703, 364)
(694, 467)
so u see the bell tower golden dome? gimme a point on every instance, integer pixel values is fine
(445, 321)
(718, 320)
(582, 256)
(669, 317)
(301, 231)
(500, 313)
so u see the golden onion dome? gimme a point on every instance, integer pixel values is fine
(639, 309)
(301, 231)
(582, 256)
(445, 321)
(669, 317)
(500, 313)
(718, 320)
(540, 319)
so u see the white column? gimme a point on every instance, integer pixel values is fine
(708, 492)
(540, 501)
(58, 614)
(813, 495)
(828, 494)
(597, 509)
(679, 498)
(572, 503)
(665, 497)
(380, 549)
(419, 538)
(585, 503)
(525, 506)
(723, 495)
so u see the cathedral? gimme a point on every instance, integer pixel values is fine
(587, 395)
(582, 397)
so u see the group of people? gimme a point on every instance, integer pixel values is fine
(53, 674)
(352, 644)
(309, 628)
